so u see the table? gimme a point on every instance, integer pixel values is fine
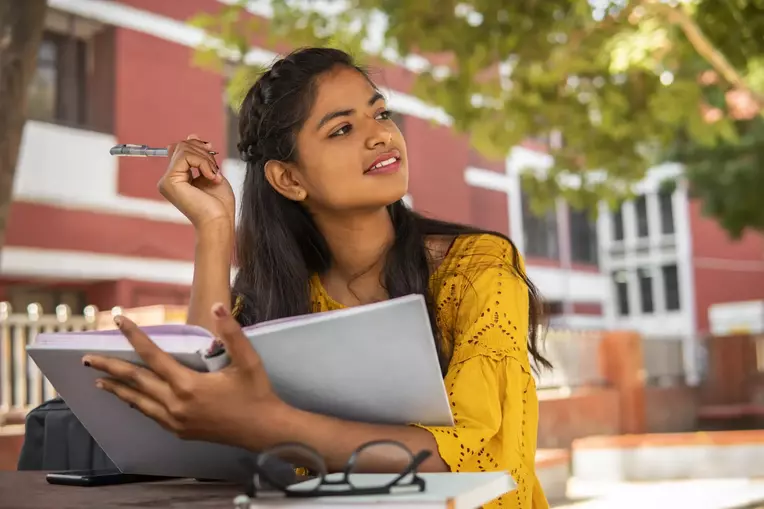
(30, 490)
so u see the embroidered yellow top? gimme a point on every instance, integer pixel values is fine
(482, 309)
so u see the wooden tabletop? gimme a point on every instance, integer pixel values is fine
(30, 490)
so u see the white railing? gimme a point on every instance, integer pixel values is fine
(22, 386)
(575, 357)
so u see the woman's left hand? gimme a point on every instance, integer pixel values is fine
(235, 405)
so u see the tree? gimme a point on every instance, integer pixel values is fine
(21, 25)
(628, 84)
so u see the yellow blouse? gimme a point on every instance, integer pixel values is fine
(482, 309)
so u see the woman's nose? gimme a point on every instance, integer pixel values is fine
(380, 135)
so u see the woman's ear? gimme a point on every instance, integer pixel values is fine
(282, 176)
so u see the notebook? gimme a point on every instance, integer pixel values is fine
(373, 363)
(465, 490)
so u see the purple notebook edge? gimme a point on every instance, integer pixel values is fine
(175, 329)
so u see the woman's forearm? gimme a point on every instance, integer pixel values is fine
(336, 440)
(212, 272)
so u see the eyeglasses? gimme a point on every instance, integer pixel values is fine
(319, 483)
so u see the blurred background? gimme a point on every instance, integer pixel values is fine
(620, 144)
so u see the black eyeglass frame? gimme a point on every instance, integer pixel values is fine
(284, 489)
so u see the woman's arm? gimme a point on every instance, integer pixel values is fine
(336, 440)
(209, 203)
(212, 272)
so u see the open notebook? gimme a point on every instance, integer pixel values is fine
(374, 363)
(467, 490)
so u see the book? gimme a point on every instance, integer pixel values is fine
(374, 363)
(464, 490)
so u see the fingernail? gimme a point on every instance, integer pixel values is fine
(219, 310)
(99, 384)
(118, 321)
(86, 362)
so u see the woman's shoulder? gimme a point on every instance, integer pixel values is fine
(478, 268)
(482, 298)
(475, 252)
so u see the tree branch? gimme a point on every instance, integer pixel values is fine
(21, 25)
(704, 47)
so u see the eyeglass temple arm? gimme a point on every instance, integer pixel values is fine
(416, 461)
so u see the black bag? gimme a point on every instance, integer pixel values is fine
(54, 439)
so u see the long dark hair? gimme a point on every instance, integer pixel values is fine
(279, 246)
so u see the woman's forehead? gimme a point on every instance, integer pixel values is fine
(341, 89)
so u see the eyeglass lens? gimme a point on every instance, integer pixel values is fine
(310, 467)
(371, 454)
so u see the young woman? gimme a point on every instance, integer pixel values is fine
(322, 227)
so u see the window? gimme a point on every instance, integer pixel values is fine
(667, 212)
(58, 90)
(621, 282)
(618, 223)
(671, 287)
(583, 237)
(646, 291)
(42, 93)
(640, 209)
(540, 232)
(74, 81)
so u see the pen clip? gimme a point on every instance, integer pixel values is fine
(131, 145)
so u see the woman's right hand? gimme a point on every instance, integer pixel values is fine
(206, 199)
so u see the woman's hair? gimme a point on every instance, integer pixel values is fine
(279, 246)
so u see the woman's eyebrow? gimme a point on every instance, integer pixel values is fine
(346, 113)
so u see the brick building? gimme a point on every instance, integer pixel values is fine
(87, 228)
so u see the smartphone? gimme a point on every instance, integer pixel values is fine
(99, 478)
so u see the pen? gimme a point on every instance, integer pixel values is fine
(128, 150)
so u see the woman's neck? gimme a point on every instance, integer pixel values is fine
(358, 245)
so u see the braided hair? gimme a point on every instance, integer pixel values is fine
(278, 245)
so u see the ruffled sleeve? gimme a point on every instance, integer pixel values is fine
(489, 381)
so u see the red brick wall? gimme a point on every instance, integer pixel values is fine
(585, 412)
(48, 227)
(160, 98)
(488, 209)
(127, 293)
(625, 406)
(107, 294)
(725, 270)
(10, 448)
(437, 159)
(178, 10)
(732, 377)
(670, 409)
(587, 308)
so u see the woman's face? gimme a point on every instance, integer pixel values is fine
(352, 156)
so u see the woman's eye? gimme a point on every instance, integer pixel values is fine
(385, 115)
(341, 131)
